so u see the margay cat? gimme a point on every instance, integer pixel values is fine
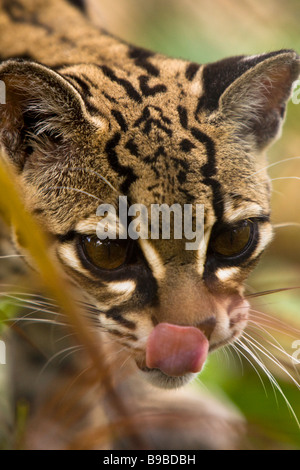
(88, 118)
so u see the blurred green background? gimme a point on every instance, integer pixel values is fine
(205, 31)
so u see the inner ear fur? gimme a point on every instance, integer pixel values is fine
(38, 100)
(256, 101)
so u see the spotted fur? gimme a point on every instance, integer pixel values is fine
(89, 117)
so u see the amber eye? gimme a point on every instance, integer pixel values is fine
(104, 254)
(234, 241)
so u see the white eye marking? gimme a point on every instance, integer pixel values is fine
(121, 291)
(244, 211)
(153, 259)
(201, 254)
(68, 254)
(122, 287)
(87, 226)
(265, 236)
(102, 308)
(224, 274)
(196, 88)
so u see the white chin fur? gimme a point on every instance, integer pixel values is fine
(161, 380)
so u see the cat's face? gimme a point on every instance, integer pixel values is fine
(183, 140)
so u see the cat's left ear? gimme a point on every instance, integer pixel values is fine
(256, 91)
(41, 112)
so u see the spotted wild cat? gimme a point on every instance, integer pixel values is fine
(88, 118)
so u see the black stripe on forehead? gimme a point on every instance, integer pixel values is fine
(82, 84)
(141, 57)
(80, 4)
(84, 88)
(131, 92)
(191, 70)
(209, 171)
(121, 170)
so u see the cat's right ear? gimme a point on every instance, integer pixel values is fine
(39, 108)
(251, 93)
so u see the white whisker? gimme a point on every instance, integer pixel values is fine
(12, 256)
(93, 172)
(252, 355)
(286, 224)
(59, 353)
(238, 353)
(276, 346)
(271, 357)
(272, 320)
(273, 164)
(38, 320)
(270, 376)
(286, 178)
(70, 188)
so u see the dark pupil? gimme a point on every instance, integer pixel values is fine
(234, 241)
(105, 254)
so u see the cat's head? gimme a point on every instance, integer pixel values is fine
(159, 131)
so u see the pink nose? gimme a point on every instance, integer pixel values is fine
(176, 350)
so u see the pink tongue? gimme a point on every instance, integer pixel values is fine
(176, 350)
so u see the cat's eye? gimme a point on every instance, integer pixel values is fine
(104, 254)
(232, 242)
